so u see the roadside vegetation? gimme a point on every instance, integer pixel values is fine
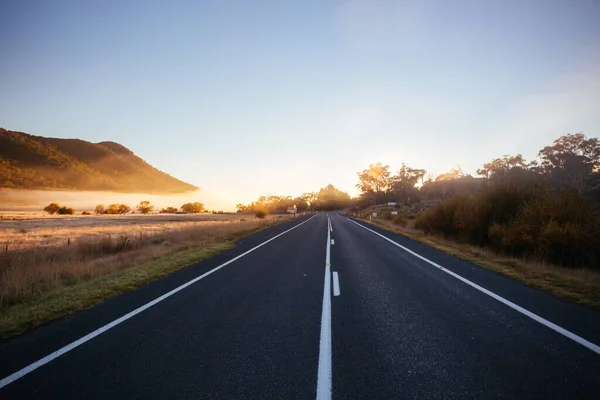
(538, 221)
(578, 285)
(326, 199)
(143, 207)
(40, 282)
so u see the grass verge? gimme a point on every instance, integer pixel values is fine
(581, 286)
(129, 270)
(69, 299)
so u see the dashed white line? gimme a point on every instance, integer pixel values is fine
(593, 347)
(336, 284)
(324, 371)
(45, 360)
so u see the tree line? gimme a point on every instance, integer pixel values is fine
(571, 164)
(325, 199)
(547, 209)
(144, 207)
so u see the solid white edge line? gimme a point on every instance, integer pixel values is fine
(591, 346)
(324, 371)
(45, 360)
(336, 284)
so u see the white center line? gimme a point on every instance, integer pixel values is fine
(32, 367)
(324, 372)
(336, 284)
(593, 347)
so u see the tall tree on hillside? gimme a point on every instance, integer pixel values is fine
(511, 170)
(309, 198)
(374, 181)
(331, 198)
(403, 184)
(500, 167)
(300, 203)
(451, 183)
(454, 173)
(571, 161)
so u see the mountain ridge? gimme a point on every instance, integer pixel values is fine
(37, 162)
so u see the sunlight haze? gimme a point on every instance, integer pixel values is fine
(244, 99)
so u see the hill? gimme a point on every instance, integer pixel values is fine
(36, 162)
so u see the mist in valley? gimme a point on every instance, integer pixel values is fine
(36, 200)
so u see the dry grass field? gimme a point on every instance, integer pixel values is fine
(51, 266)
(35, 229)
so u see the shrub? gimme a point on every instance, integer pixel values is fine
(400, 220)
(99, 209)
(117, 209)
(66, 211)
(260, 214)
(86, 213)
(144, 207)
(52, 208)
(439, 219)
(469, 218)
(194, 208)
(560, 229)
(169, 210)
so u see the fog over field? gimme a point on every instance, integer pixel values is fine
(36, 200)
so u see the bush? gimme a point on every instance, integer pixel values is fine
(99, 209)
(439, 219)
(86, 213)
(400, 220)
(260, 214)
(144, 207)
(52, 208)
(561, 229)
(117, 209)
(169, 210)
(470, 218)
(194, 208)
(66, 211)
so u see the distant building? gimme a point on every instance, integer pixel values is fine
(292, 210)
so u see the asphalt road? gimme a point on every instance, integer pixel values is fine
(300, 318)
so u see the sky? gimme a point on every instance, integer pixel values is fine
(253, 98)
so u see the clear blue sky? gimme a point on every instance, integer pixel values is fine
(248, 98)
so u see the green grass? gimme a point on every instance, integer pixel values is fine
(581, 286)
(69, 299)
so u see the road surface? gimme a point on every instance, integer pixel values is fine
(317, 308)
